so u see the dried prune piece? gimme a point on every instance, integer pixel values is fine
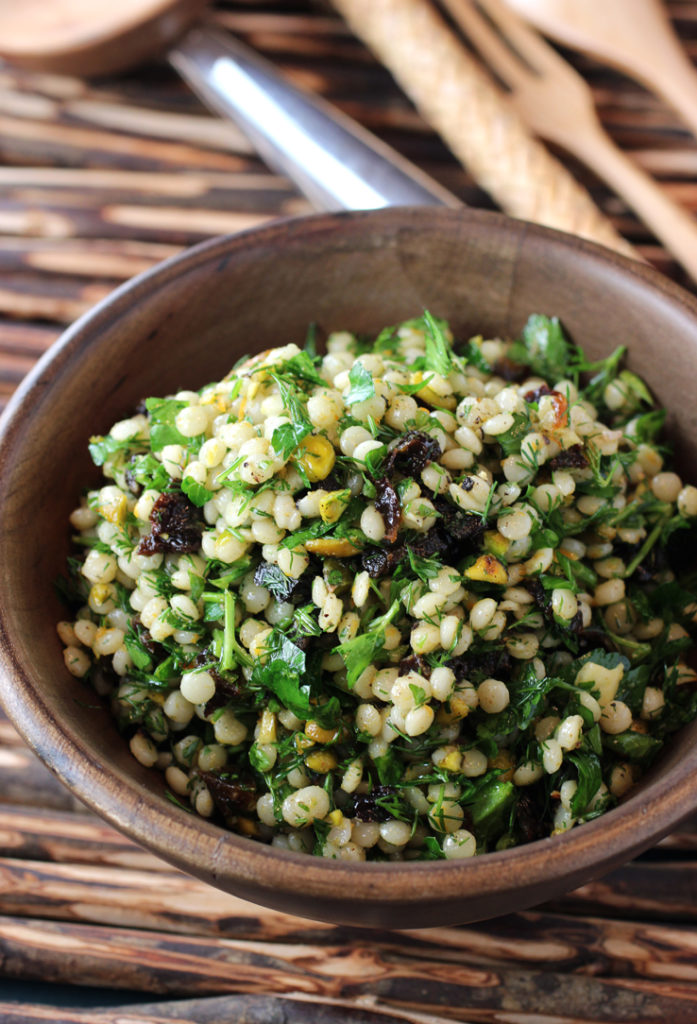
(426, 545)
(573, 457)
(457, 523)
(496, 664)
(330, 483)
(539, 594)
(411, 452)
(302, 591)
(377, 562)
(205, 657)
(510, 371)
(415, 663)
(303, 642)
(176, 526)
(536, 393)
(591, 638)
(529, 816)
(367, 808)
(226, 690)
(388, 505)
(231, 794)
(452, 537)
(576, 623)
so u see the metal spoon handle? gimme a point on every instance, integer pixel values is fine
(333, 161)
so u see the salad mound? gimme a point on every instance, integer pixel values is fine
(412, 599)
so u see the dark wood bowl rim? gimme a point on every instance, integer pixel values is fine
(211, 852)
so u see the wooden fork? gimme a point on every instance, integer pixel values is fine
(636, 36)
(558, 105)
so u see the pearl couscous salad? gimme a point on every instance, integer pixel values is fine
(413, 599)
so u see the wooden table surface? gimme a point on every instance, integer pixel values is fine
(98, 182)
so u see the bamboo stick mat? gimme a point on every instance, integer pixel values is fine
(98, 182)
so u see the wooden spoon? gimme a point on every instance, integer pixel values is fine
(334, 161)
(635, 36)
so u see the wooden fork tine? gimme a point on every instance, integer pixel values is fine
(530, 45)
(487, 41)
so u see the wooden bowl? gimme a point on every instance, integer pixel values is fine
(186, 323)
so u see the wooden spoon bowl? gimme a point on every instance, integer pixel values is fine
(89, 37)
(187, 322)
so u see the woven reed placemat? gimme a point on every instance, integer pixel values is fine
(98, 182)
